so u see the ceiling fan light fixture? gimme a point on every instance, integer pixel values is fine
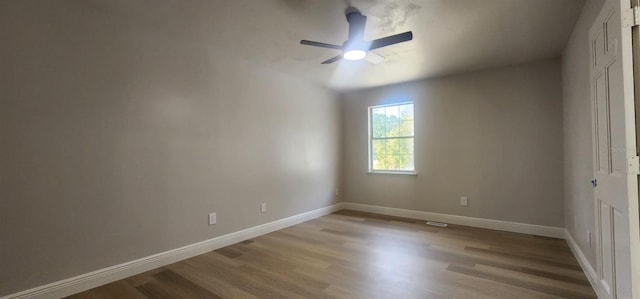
(355, 47)
(354, 54)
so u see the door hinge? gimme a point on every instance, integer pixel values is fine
(634, 165)
(632, 16)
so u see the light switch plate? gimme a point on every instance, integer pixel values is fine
(212, 218)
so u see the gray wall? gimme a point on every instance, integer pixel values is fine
(578, 146)
(116, 141)
(495, 136)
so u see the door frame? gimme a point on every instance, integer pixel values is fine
(634, 203)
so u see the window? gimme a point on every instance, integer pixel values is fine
(391, 138)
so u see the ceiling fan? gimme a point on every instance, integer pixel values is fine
(355, 47)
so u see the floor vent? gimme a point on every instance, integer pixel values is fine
(438, 224)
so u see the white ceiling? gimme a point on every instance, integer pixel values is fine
(450, 36)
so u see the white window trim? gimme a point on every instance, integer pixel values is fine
(408, 172)
(370, 141)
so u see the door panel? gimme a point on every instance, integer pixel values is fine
(618, 141)
(611, 26)
(621, 237)
(601, 123)
(606, 245)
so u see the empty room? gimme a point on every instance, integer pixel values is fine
(319, 149)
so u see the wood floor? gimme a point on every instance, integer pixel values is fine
(351, 254)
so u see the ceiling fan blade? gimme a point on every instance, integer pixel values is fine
(319, 44)
(390, 40)
(374, 58)
(332, 60)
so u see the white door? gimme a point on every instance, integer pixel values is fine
(615, 155)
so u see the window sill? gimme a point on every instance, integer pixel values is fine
(410, 173)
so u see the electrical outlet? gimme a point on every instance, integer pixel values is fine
(464, 201)
(337, 193)
(263, 207)
(212, 218)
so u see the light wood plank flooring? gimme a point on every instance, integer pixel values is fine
(351, 254)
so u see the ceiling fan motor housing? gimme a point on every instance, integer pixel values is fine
(357, 22)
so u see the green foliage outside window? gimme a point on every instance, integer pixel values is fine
(392, 137)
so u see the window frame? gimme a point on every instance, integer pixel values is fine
(371, 139)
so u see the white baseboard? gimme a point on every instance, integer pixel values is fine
(539, 230)
(547, 231)
(582, 260)
(100, 277)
